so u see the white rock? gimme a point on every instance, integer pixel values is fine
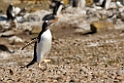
(15, 39)
(119, 5)
(7, 33)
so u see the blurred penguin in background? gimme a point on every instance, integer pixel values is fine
(103, 3)
(57, 6)
(74, 3)
(10, 13)
(77, 3)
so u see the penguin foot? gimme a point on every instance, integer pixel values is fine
(42, 67)
(47, 60)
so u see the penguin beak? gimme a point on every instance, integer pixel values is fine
(53, 21)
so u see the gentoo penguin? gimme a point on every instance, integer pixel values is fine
(103, 3)
(43, 44)
(9, 12)
(57, 6)
(74, 3)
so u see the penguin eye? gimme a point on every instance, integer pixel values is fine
(46, 21)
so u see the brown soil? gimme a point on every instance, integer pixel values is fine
(92, 58)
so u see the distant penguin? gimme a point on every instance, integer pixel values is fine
(74, 3)
(9, 12)
(12, 12)
(57, 6)
(43, 44)
(103, 3)
(106, 4)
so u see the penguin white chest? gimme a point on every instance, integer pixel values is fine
(44, 45)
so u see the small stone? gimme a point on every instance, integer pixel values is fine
(100, 26)
(55, 81)
(15, 39)
(7, 34)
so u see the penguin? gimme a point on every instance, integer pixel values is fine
(106, 4)
(103, 3)
(75, 3)
(99, 2)
(12, 13)
(57, 6)
(9, 12)
(43, 44)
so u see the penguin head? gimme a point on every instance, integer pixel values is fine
(47, 23)
(10, 6)
(54, 3)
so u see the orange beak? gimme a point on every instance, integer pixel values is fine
(54, 21)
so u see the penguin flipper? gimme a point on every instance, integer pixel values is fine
(29, 43)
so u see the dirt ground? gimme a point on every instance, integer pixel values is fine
(90, 58)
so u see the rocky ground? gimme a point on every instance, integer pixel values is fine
(91, 58)
(74, 58)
